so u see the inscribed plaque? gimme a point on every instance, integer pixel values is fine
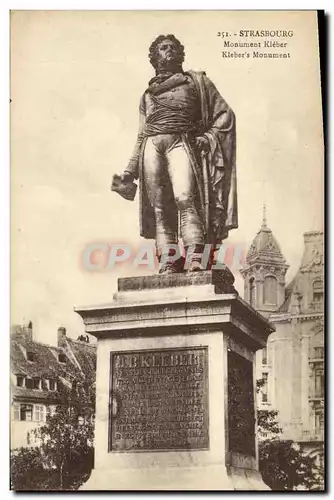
(159, 400)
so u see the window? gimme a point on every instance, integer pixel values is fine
(318, 291)
(319, 383)
(26, 412)
(52, 385)
(319, 421)
(318, 352)
(270, 290)
(74, 390)
(20, 380)
(39, 413)
(265, 388)
(30, 356)
(16, 411)
(264, 356)
(252, 292)
(36, 383)
(29, 383)
(61, 358)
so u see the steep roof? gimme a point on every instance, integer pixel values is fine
(265, 247)
(85, 354)
(45, 362)
(311, 268)
(79, 364)
(288, 294)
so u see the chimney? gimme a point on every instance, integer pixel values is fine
(61, 334)
(23, 332)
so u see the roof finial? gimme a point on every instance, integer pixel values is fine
(264, 213)
(264, 216)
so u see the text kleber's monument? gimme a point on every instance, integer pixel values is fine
(175, 386)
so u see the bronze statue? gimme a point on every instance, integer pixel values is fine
(184, 159)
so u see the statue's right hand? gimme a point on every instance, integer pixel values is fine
(124, 185)
(127, 177)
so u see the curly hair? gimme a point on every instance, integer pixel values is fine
(153, 56)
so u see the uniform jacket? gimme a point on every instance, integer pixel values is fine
(199, 101)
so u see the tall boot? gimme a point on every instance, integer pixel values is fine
(212, 257)
(170, 266)
(194, 255)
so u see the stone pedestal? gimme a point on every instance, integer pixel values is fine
(175, 385)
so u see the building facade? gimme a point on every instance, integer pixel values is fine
(292, 365)
(40, 375)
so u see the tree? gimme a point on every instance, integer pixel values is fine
(267, 424)
(64, 458)
(26, 469)
(282, 463)
(284, 466)
(66, 440)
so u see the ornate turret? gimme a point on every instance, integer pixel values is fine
(264, 271)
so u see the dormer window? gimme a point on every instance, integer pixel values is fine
(36, 383)
(29, 383)
(61, 357)
(52, 385)
(20, 380)
(30, 356)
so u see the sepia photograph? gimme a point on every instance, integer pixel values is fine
(167, 250)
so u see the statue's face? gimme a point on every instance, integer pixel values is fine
(167, 52)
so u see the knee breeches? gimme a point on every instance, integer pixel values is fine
(169, 179)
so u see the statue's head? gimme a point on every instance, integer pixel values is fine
(166, 53)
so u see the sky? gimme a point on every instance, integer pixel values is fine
(76, 81)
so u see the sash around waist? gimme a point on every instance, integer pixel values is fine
(168, 121)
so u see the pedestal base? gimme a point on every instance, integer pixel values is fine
(175, 385)
(214, 478)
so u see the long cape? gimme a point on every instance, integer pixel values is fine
(215, 172)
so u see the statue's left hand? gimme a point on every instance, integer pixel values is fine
(202, 143)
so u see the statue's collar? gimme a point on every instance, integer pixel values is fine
(162, 83)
